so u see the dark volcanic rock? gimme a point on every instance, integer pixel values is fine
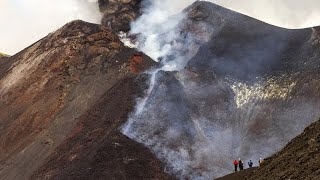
(274, 74)
(5, 64)
(82, 72)
(118, 14)
(244, 47)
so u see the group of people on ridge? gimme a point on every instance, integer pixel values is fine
(241, 165)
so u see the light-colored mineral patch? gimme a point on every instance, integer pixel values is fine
(271, 89)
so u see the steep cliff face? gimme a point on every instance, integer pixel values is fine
(60, 80)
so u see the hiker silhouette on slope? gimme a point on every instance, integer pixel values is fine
(235, 163)
(240, 164)
(260, 161)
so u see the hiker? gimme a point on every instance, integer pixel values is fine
(240, 164)
(260, 161)
(235, 163)
(250, 163)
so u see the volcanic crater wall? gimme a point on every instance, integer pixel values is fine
(233, 87)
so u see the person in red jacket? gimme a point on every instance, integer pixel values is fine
(235, 163)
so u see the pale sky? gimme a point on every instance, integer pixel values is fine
(284, 13)
(23, 22)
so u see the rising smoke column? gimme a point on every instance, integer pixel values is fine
(164, 120)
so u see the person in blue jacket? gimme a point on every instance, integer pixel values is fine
(250, 163)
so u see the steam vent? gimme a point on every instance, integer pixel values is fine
(175, 97)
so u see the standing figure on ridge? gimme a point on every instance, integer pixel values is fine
(250, 163)
(235, 163)
(260, 161)
(240, 164)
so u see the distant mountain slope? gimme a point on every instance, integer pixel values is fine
(53, 91)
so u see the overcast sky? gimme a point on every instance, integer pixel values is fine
(23, 22)
(285, 13)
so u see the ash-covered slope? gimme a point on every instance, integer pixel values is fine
(72, 90)
(3, 63)
(273, 74)
(245, 89)
(299, 159)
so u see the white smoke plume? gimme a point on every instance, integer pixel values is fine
(22, 22)
(158, 17)
(198, 142)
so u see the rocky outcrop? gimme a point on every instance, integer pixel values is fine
(118, 14)
(77, 82)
